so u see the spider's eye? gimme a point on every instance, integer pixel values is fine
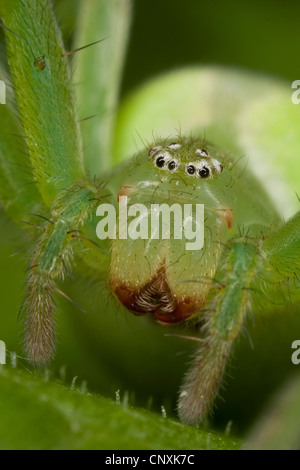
(202, 152)
(174, 146)
(172, 165)
(190, 169)
(217, 165)
(204, 172)
(154, 150)
(160, 161)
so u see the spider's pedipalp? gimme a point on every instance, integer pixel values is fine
(51, 260)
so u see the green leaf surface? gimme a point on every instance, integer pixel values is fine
(279, 426)
(38, 414)
(98, 74)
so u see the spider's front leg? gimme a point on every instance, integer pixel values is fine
(71, 219)
(273, 260)
(281, 252)
(225, 321)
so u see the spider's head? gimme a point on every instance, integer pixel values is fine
(187, 158)
(159, 270)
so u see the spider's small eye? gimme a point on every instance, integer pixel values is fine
(160, 161)
(202, 152)
(174, 146)
(153, 150)
(204, 172)
(172, 165)
(190, 169)
(217, 165)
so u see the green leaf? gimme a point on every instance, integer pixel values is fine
(278, 428)
(38, 414)
(98, 73)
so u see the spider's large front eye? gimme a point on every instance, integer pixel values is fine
(172, 165)
(190, 170)
(204, 172)
(160, 162)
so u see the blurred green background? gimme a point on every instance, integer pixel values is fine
(107, 347)
(260, 35)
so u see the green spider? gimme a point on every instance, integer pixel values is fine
(248, 253)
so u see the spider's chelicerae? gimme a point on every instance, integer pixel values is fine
(247, 253)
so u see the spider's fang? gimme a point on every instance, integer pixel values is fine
(157, 298)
